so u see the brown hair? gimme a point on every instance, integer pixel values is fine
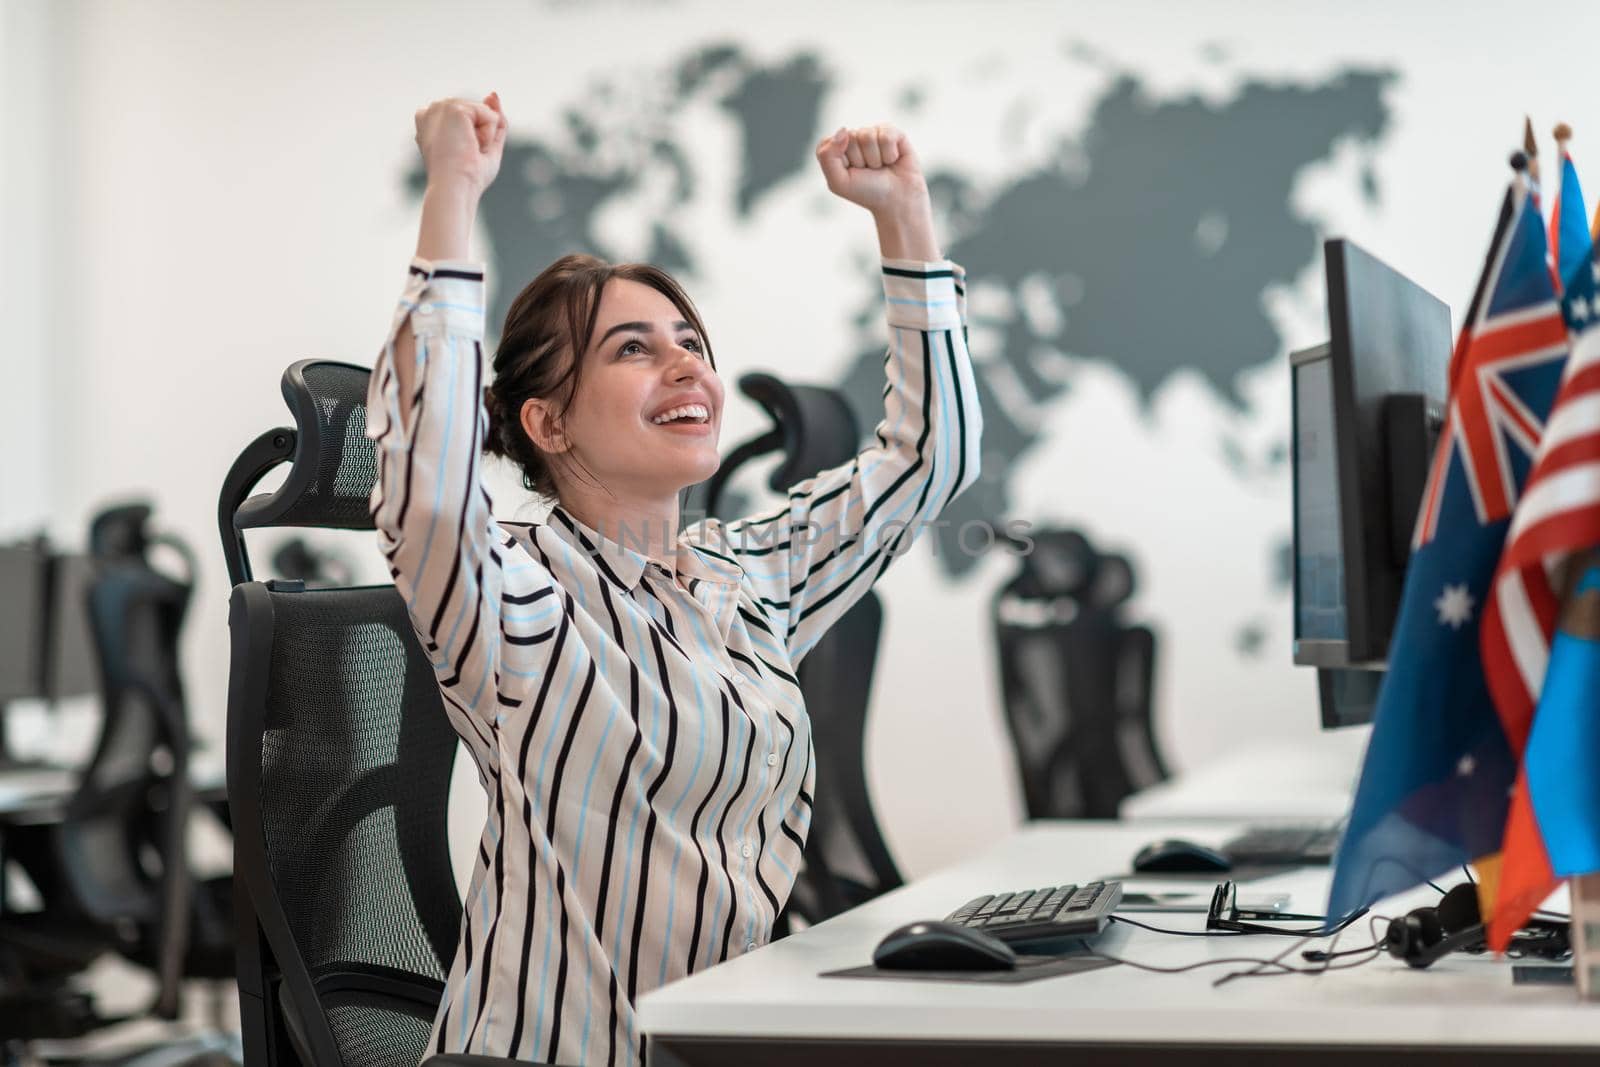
(555, 315)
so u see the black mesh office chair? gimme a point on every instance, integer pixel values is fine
(846, 859)
(1076, 679)
(339, 762)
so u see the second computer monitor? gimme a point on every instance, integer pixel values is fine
(24, 601)
(1367, 407)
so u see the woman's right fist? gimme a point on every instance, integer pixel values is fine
(461, 141)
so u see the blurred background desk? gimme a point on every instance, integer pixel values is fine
(770, 1007)
(1261, 783)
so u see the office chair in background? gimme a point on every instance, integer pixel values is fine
(846, 859)
(339, 764)
(1076, 679)
(111, 867)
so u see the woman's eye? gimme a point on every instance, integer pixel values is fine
(693, 344)
(630, 348)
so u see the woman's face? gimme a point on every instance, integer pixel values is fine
(648, 410)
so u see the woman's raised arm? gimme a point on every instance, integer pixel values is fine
(838, 532)
(425, 414)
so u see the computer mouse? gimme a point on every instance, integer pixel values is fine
(1176, 856)
(942, 946)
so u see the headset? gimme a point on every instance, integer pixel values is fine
(1425, 935)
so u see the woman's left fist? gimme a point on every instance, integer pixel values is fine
(874, 166)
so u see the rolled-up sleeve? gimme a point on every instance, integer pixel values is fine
(433, 514)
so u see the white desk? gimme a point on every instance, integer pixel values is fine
(38, 793)
(1311, 782)
(771, 1008)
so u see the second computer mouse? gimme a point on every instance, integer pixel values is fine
(1176, 856)
(942, 946)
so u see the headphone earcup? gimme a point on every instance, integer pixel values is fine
(1459, 909)
(1407, 938)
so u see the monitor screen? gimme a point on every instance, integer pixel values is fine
(24, 580)
(72, 668)
(1318, 552)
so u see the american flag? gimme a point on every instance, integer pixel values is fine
(1558, 516)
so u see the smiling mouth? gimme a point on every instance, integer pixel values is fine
(687, 415)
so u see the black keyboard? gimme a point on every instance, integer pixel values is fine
(1042, 914)
(1295, 845)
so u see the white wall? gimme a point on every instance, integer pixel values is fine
(212, 191)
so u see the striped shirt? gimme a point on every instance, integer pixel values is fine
(637, 727)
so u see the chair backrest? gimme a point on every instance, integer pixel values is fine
(339, 761)
(120, 847)
(846, 859)
(1076, 679)
(339, 764)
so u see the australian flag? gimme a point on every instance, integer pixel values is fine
(1433, 791)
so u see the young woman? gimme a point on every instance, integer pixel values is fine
(628, 691)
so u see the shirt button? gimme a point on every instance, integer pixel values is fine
(747, 851)
(425, 309)
(750, 946)
(772, 759)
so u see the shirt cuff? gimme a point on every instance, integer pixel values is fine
(443, 296)
(924, 296)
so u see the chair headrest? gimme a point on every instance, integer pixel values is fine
(817, 427)
(334, 466)
(1062, 563)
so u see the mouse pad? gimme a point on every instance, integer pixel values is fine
(1028, 969)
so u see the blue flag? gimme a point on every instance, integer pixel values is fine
(1569, 226)
(1433, 790)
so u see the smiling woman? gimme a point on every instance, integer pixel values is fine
(544, 401)
(627, 690)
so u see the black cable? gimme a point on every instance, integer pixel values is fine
(1371, 951)
(1091, 950)
(1177, 933)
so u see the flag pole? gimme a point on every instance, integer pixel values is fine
(1530, 147)
(1586, 935)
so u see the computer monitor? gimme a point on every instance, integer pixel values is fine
(24, 594)
(72, 666)
(1367, 410)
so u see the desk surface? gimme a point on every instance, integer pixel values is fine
(1461, 1005)
(37, 793)
(1262, 783)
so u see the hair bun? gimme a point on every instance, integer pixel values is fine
(493, 436)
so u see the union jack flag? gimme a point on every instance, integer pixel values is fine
(1433, 790)
(1521, 611)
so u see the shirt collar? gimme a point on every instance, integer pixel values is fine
(695, 556)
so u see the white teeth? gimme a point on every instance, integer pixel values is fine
(694, 411)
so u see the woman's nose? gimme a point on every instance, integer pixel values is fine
(688, 366)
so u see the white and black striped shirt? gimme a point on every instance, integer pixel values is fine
(644, 746)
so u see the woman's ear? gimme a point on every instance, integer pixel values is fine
(542, 424)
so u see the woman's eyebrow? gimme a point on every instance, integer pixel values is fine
(640, 327)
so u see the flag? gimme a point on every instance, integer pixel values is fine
(1553, 720)
(1569, 227)
(1438, 769)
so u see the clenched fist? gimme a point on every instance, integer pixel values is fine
(876, 167)
(461, 141)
